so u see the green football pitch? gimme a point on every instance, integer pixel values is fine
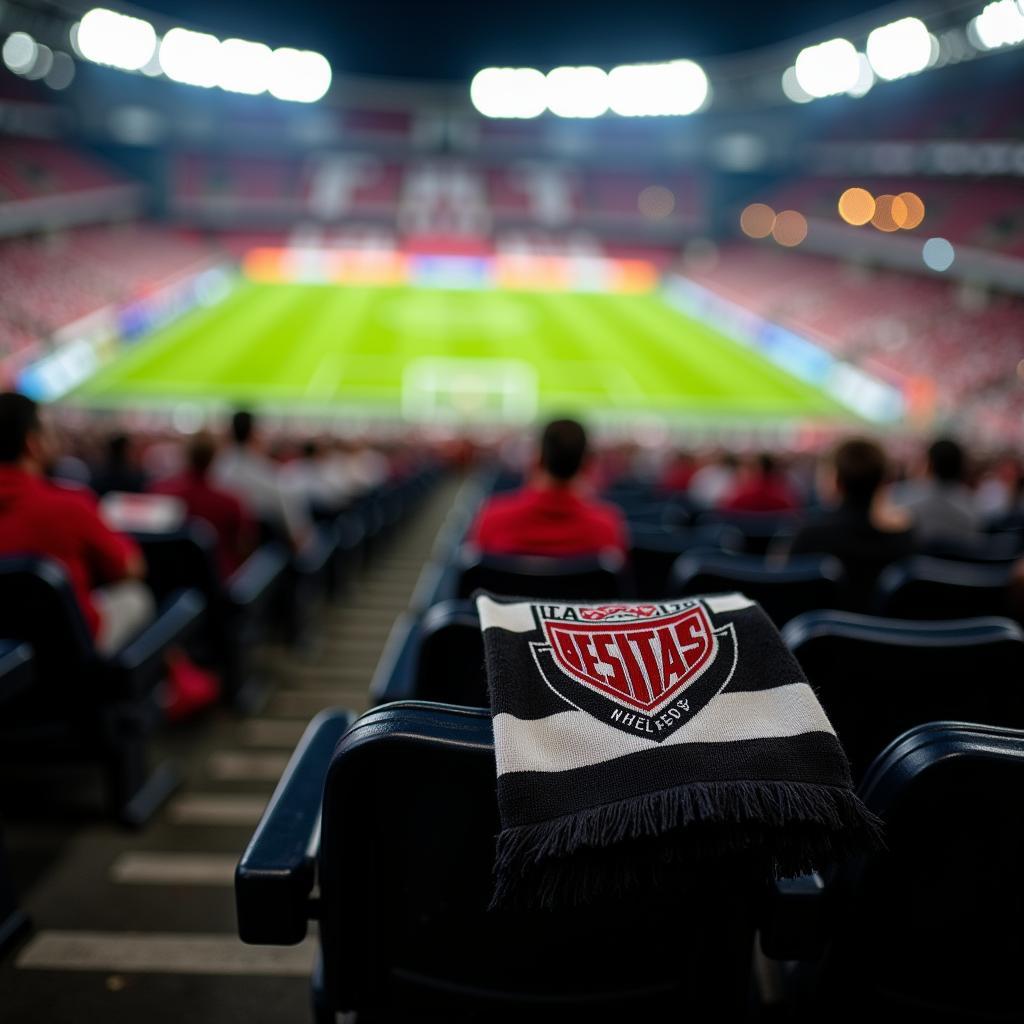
(451, 354)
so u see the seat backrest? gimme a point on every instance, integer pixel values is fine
(785, 591)
(935, 588)
(591, 577)
(410, 814)
(878, 677)
(182, 559)
(930, 929)
(38, 607)
(450, 663)
(655, 549)
(759, 529)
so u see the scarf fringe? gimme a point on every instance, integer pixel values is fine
(792, 827)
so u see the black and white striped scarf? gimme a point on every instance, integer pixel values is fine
(633, 738)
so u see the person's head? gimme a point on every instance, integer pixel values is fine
(310, 450)
(946, 461)
(563, 448)
(860, 469)
(243, 427)
(118, 446)
(201, 451)
(767, 464)
(23, 439)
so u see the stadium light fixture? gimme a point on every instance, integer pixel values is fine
(244, 67)
(999, 24)
(509, 92)
(828, 69)
(678, 88)
(19, 52)
(899, 49)
(115, 40)
(577, 91)
(191, 58)
(301, 76)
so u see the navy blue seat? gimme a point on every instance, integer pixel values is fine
(878, 677)
(934, 588)
(438, 657)
(654, 550)
(929, 929)
(592, 577)
(760, 530)
(82, 704)
(784, 591)
(403, 865)
(237, 609)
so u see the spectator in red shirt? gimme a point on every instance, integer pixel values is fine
(763, 488)
(551, 515)
(224, 512)
(39, 518)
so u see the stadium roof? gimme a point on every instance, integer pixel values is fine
(451, 39)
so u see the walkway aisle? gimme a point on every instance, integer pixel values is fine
(140, 927)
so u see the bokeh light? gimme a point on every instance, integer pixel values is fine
(577, 91)
(900, 48)
(890, 213)
(19, 52)
(509, 92)
(757, 220)
(656, 202)
(857, 206)
(828, 69)
(938, 254)
(915, 210)
(790, 228)
(678, 88)
(116, 40)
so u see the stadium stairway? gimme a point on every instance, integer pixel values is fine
(140, 926)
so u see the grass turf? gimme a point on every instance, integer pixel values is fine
(349, 348)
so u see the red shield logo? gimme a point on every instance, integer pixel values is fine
(641, 663)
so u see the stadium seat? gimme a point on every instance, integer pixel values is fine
(878, 677)
(405, 855)
(802, 584)
(237, 609)
(16, 669)
(13, 920)
(1003, 549)
(438, 657)
(655, 549)
(588, 578)
(81, 703)
(760, 529)
(929, 928)
(934, 588)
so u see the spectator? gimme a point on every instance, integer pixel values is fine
(713, 481)
(203, 500)
(551, 515)
(244, 471)
(309, 480)
(762, 488)
(860, 530)
(40, 518)
(119, 471)
(677, 475)
(941, 505)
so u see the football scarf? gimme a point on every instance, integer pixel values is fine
(632, 739)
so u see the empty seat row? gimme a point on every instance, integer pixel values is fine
(405, 802)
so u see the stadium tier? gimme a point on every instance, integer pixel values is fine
(461, 525)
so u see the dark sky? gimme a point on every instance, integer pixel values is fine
(451, 39)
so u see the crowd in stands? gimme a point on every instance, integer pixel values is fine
(899, 326)
(48, 282)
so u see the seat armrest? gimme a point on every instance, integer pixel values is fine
(257, 575)
(16, 668)
(275, 876)
(315, 554)
(140, 664)
(794, 924)
(395, 675)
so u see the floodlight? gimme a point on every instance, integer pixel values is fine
(19, 52)
(509, 92)
(577, 91)
(828, 68)
(302, 76)
(900, 48)
(999, 24)
(244, 66)
(678, 88)
(189, 57)
(116, 40)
